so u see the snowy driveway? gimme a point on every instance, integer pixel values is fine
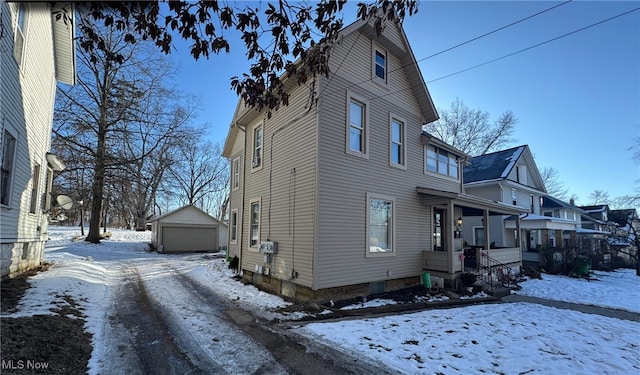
(172, 313)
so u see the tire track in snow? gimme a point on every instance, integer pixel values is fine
(141, 334)
(197, 320)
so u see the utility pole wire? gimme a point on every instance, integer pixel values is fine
(416, 85)
(494, 31)
(534, 46)
(450, 48)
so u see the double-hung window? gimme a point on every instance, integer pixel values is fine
(19, 39)
(357, 127)
(234, 226)
(6, 174)
(35, 184)
(254, 238)
(380, 225)
(257, 146)
(380, 64)
(442, 162)
(236, 173)
(397, 143)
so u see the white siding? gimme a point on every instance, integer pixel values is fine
(27, 97)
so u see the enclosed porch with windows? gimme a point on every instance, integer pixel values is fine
(450, 254)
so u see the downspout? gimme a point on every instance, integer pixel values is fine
(240, 238)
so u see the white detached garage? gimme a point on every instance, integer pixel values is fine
(187, 229)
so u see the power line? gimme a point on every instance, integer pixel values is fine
(460, 44)
(534, 46)
(511, 54)
(494, 31)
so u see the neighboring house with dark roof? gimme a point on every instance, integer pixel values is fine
(347, 196)
(512, 177)
(37, 53)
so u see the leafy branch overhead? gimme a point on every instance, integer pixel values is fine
(278, 38)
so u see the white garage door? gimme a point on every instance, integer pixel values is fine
(189, 239)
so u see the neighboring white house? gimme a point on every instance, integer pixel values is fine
(188, 229)
(36, 51)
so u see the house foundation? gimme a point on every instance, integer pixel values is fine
(300, 293)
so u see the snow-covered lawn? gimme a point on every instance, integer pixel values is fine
(507, 338)
(617, 290)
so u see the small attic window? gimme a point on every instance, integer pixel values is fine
(380, 64)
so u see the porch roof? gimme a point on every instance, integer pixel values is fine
(470, 202)
(532, 221)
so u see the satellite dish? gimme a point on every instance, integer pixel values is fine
(64, 202)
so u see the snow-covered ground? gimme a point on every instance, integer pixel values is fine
(616, 290)
(495, 338)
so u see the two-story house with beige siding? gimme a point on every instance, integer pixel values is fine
(36, 51)
(347, 196)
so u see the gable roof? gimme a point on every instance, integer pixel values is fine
(493, 166)
(551, 202)
(243, 115)
(497, 166)
(200, 212)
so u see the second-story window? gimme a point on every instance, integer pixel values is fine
(19, 41)
(397, 143)
(257, 147)
(441, 161)
(531, 203)
(236, 173)
(357, 126)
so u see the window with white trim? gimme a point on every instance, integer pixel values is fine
(397, 136)
(379, 65)
(19, 34)
(439, 231)
(8, 162)
(380, 224)
(357, 127)
(48, 187)
(257, 146)
(254, 230)
(531, 206)
(236, 173)
(514, 197)
(233, 221)
(35, 188)
(440, 161)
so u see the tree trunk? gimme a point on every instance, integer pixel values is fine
(97, 190)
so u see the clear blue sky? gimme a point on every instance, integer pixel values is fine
(577, 98)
